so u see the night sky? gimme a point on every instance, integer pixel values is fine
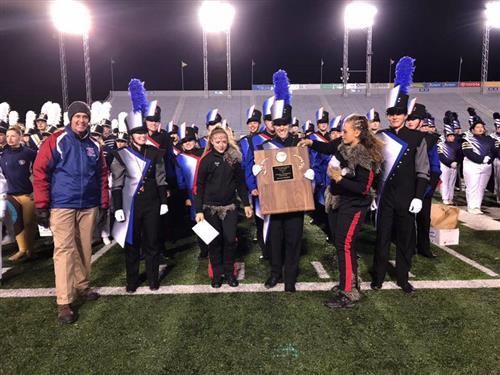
(148, 39)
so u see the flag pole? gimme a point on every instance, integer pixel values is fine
(321, 73)
(460, 70)
(390, 70)
(251, 86)
(182, 75)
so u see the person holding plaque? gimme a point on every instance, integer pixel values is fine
(355, 161)
(285, 229)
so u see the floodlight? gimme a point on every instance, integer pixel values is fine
(216, 16)
(493, 14)
(70, 16)
(359, 15)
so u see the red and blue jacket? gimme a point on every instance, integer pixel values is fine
(70, 172)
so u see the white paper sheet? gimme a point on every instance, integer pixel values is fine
(44, 232)
(205, 231)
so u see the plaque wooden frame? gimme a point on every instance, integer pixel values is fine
(281, 183)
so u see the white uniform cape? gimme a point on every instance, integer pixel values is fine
(136, 168)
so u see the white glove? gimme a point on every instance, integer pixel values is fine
(486, 160)
(415, 205)
(256, 169)
(120, 216)
(373, 205)
(309, 174)
(3, 206)
(454, 165)
(163, 209)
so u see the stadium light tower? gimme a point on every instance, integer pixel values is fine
(358, 15)
(72, 17)
(492, 13)
(216, 16)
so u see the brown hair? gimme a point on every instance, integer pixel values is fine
(16, 129)
(374, 145)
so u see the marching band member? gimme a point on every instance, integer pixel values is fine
(187, 160)
(449, 151)
(213, 119)
(219, 177)
(373, 120)
(479, 152)
(285, 230)
(496, 163)
(403, 182)
(16, 163)
(139, 192)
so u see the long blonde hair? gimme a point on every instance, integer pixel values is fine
(231, 144)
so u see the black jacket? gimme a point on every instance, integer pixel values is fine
(216, 181)
(154, 186)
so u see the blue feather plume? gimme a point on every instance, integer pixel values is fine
(138, 96)
(404, 74)
(282, 86)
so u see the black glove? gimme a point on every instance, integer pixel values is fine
(43, 217)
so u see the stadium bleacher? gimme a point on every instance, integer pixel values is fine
(192, 106)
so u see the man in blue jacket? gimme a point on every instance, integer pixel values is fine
(70, 179)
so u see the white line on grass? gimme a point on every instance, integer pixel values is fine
(241, 271)
(468, 261)
(320, 270)
(103, 250)
(393, 262)
(253, 288)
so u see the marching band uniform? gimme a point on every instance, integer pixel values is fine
(479, 152)
(285, 230)
(496, 162)
(448, 150)
(404, 180)
(187, 161)
(139, 193)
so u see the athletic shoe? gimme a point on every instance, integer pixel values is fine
(340, 301)
(65, 315)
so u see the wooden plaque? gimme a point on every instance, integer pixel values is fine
(282, 185)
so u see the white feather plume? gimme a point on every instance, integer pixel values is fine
(122, 127)
(30, 120)
(105, 111)
(114, 124)
(13, 118)
(54, 115)
(4, 111)
(95, 112)
(66, 118)
(46, 108)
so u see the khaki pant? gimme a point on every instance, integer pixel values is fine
(25, 239)
(72, 230)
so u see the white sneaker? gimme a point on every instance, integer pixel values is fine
(447, 202)
(7, 240)
(106, 240)
(474, 211)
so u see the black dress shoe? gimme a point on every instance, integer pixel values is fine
(290, 287)
(407, 288)
(375, 285)
(233, 281)
(131, 288)
(216, 283)
(271, 282)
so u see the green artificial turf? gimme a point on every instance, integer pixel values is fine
(432, 332)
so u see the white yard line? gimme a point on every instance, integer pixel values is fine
(103, 250)
(393, 262)
(241, 271)
(254, 288)
(320, 270)
(477, 222)
(468, 261)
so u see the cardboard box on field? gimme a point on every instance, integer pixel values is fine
(444, 237)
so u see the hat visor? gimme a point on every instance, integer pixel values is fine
(141, 130)
(396, 111)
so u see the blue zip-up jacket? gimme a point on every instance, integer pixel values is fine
(16, 166)
(70, 172)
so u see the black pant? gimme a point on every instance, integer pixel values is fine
(345, 223)
(146, 230)
(285, 234)
(421, 237)
(393, 215)
(221, 251)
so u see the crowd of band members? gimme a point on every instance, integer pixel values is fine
(208, 177)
